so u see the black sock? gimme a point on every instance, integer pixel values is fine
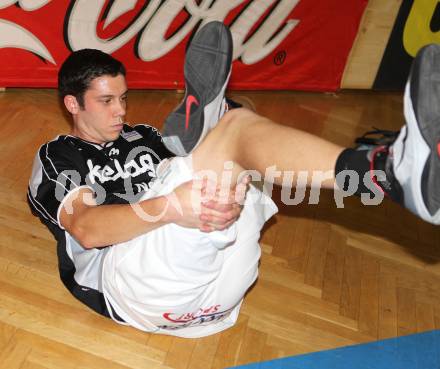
(363, 162)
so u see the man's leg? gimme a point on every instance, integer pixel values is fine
(411, 164)
(207, 70)
(253, 142)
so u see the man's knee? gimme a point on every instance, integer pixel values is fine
(236, 119)
(227, 135)
(240, 115)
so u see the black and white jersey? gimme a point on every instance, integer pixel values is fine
(117, 172)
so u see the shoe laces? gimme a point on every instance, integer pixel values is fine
(377, 137)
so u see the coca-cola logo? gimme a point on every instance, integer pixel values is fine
(150, 26)
(14, 35)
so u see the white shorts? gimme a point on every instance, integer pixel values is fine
(181, 281)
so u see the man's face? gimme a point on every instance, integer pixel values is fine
(102, 117)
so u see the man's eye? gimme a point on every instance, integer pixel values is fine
(106, 101)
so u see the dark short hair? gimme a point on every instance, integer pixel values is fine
(82, 67)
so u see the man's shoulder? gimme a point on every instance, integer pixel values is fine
(61, 147)
(146, 135)
(145, 130)
(57, 143)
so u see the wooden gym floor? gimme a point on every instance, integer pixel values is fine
(329, 277)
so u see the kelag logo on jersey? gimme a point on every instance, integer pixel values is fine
(140, 160)
(135, 167)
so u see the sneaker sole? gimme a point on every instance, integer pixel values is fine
(207, 69)
(419, 175)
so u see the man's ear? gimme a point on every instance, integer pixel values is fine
(71, 104)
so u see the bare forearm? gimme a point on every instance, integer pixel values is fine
(104, 225)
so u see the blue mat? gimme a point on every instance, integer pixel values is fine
(417, 351)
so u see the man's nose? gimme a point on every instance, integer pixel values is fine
(119, 108)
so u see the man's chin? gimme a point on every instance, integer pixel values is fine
(114, 134)
(112, 137)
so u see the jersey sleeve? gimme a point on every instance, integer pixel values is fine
(55, 175)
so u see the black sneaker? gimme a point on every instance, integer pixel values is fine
(207, 70)
(416, 151)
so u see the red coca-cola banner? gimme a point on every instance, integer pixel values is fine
(278, 44)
